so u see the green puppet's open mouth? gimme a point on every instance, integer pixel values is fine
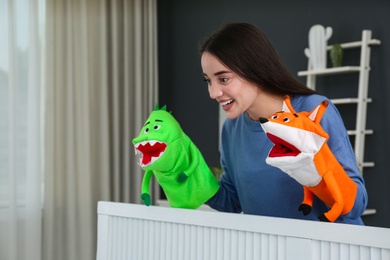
(281, 147)
(150, 151)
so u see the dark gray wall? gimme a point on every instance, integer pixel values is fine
(183, 24)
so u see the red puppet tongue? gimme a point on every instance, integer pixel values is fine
(148, 151)
(281, 147)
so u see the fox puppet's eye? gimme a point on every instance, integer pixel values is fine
(286, 119)
(274, 117)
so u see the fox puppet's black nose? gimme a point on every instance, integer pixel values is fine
(263, 120)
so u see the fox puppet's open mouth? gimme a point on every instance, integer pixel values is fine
(281, 147)
(150, 151)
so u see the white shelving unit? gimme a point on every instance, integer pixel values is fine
(362, 98)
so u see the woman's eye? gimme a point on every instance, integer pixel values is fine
(156, 127)
(223, 80)
(207, 80)
(275, 117)
(146, 130)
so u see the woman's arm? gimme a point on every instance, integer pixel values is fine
(226, 198)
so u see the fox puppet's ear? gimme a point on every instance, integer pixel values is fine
(287, 107)
(317, 113)
(314, 115)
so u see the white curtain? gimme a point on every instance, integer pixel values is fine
(20, 129)
(101, 84)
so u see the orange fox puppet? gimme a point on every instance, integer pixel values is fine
(301, 150)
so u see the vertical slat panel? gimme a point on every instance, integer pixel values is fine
(385, 254)
(334, 251)
(354, 252)
(110, 237)
(115, 240)
(125, 238)
(187, 242)
(132, 238)
(344, 251)
(220, 243)
(118, 247)
(213, 243)
(257, 252)
(173, 241)
(364, 252)
(241, 245)
(297, 248)
(146, 245)
(233, 245)
(375, 253)
(316, 250)
(199, 242)
(273, 247)
(144, 239)
(103, 237)
(249, 245)
(325, 249)
(226, 244)
(138, 238)
(264, 247)
(162, 250)
(129, 236)
(193, 243)
(282, 248)
(180, 241)
(156, 236)
(168, 241)
(205, 243)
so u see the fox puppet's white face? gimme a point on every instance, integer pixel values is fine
(297, 137)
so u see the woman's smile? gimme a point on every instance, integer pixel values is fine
(226, 105)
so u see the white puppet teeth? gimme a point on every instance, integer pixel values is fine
(140, 154)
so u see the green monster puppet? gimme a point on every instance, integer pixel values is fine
(179, 167)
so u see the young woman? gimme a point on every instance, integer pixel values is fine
(245, 75)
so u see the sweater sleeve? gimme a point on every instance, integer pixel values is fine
(226, 199)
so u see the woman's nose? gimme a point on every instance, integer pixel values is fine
(215, 91)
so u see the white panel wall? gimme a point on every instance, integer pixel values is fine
(128, 231)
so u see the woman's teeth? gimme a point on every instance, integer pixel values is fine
(227, 102)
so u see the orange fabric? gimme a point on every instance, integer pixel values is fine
(335, 188)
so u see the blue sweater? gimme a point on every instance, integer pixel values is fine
(250, 185)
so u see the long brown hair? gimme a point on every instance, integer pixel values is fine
(245, 50)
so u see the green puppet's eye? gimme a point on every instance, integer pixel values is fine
(156, 127)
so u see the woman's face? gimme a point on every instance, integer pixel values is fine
(234, 94)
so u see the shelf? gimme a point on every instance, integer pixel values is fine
(366, 132)
(369, 212)
(357, 44)
(338, 70)
(340, 101)
(368, 164)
